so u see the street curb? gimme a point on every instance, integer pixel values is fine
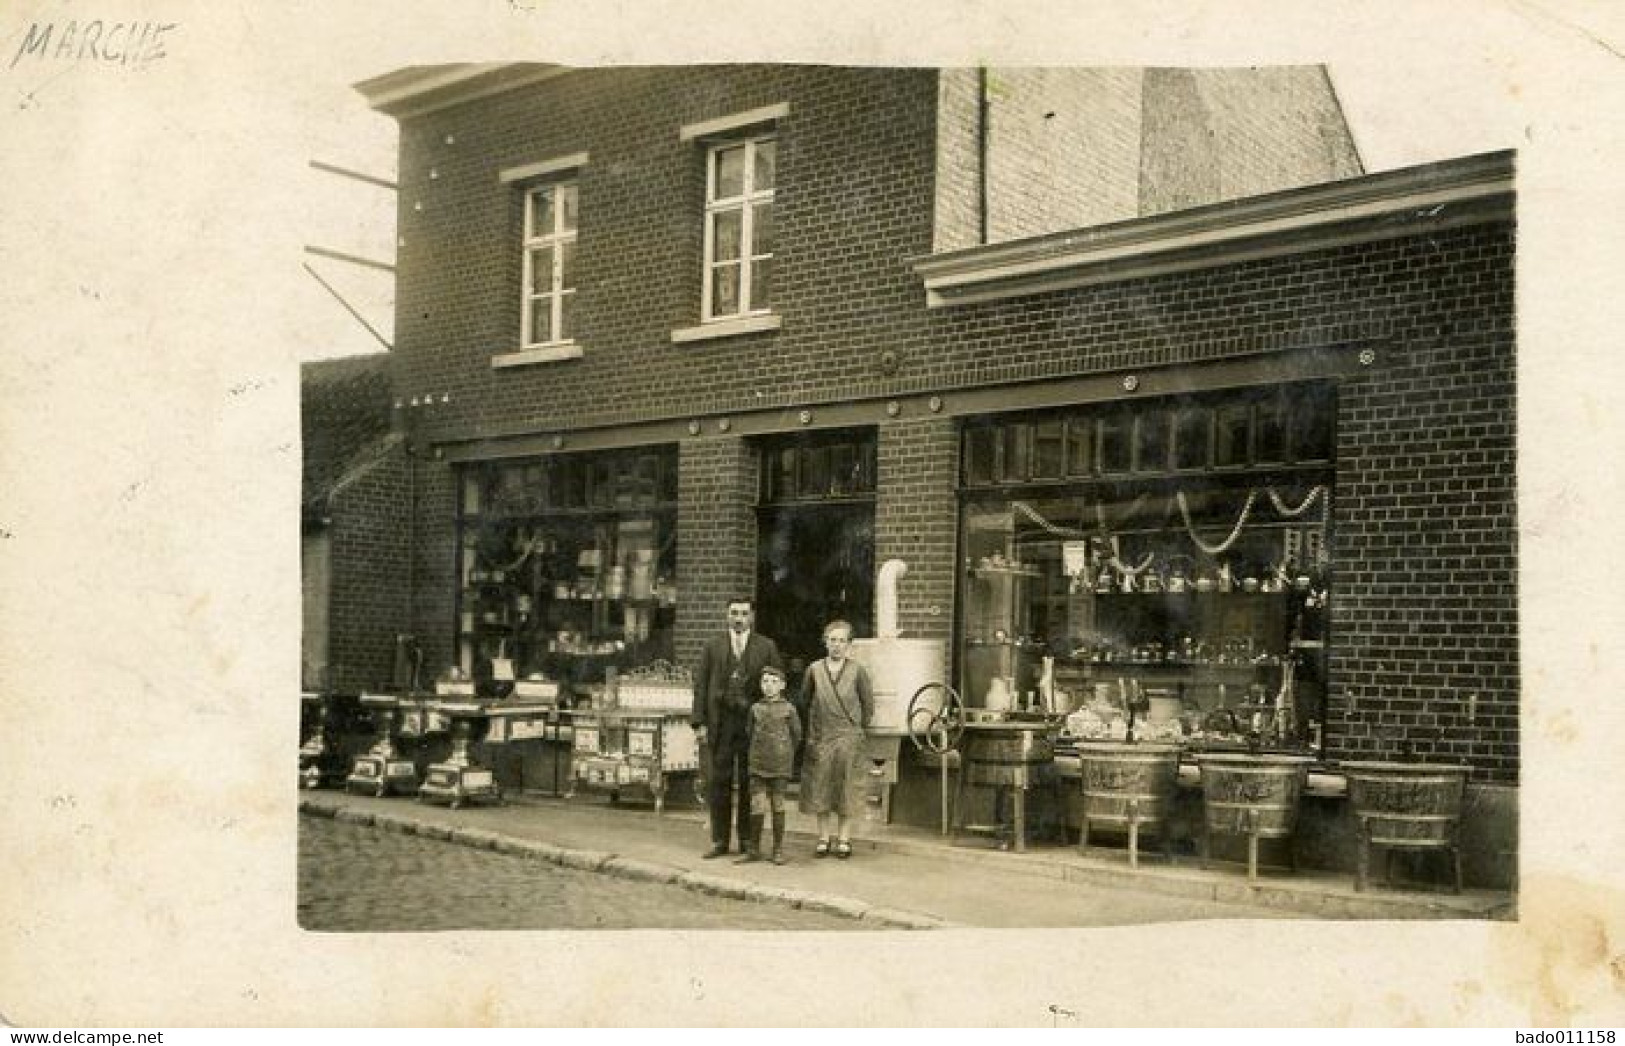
(630, 868)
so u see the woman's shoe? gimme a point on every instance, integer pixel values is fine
(822, 849)
(843, 849)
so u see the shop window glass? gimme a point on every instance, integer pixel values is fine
(1311, 415)
(565, 570)
(1151, 441)
(1113, 436)
(1193, 437)
(1199, 595)
(1018, 446)
(1270, 431)
(1233, 431)
(1080, 443)
(815, 472)
(1049, 449)
(981, 455)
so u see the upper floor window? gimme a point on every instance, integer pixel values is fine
(549, 268)
(740, 178)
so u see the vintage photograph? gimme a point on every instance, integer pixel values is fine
(1097, 515)
(820, 497)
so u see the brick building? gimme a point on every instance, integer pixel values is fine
(1054, 338)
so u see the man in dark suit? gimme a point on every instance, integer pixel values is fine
(727, 683)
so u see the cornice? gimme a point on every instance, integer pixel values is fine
(417, 90)
(1406, 202)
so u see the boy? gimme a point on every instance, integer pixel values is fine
(775, 735)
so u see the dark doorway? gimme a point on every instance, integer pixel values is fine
(815, 563)
(815, 547)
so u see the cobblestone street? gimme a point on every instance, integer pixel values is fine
(359, 878)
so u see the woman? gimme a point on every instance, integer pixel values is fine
(840, 704)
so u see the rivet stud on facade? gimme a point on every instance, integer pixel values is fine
(1130, 383)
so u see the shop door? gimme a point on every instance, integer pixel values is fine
(815, 563)
(815, 539)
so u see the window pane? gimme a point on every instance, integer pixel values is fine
(1233, 432)
(782, 480)
(979, 454)
(762, 229)
(730, 172)
(567, 207)
(567, 258)
(767, 161)
(541, 320)
(1271, 431)
(1080, 443)
(1312, 414)
(541, 212)
(725, 290)
(1018, 442)
(1151, 454)
(567, 328)
(1112, 436)
(843, 466)
(1192, 438)
(761, 283)
(815, 472)
(1049, 449)
(541, 270)
(727, 231)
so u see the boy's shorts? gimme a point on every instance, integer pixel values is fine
(767, 793)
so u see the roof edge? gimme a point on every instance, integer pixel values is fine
(421, 89)
(1405, 201)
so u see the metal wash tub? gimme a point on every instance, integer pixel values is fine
(1251, 795)
(1406, 806)
(1129, 786)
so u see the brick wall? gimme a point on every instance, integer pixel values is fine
(916, 520)
(1063, 149)
(1424, 621)
(434, 564)
(856, 159)
(716, 537)
(1223, 134)
(369, 587)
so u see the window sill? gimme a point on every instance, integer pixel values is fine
(567, 350)
(727, 328)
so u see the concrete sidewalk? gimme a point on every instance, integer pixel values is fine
(902, 877)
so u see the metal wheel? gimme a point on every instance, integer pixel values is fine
(936, 718)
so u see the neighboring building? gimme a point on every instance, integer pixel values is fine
(666, 335)
(355, 535)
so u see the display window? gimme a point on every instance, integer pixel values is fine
(566, 569)
(1163, 566)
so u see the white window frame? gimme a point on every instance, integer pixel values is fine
(556, 238)
(746, 203)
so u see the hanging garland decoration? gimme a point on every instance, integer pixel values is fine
(1235, 532)
(1315, 494)
(1033, 515)
(1133, 509)
(1123, 568)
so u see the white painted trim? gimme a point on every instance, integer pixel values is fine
(735, 122)
(767, 321)
(1409, 202)
(548, 354)
(525, 172)
(417, 90)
